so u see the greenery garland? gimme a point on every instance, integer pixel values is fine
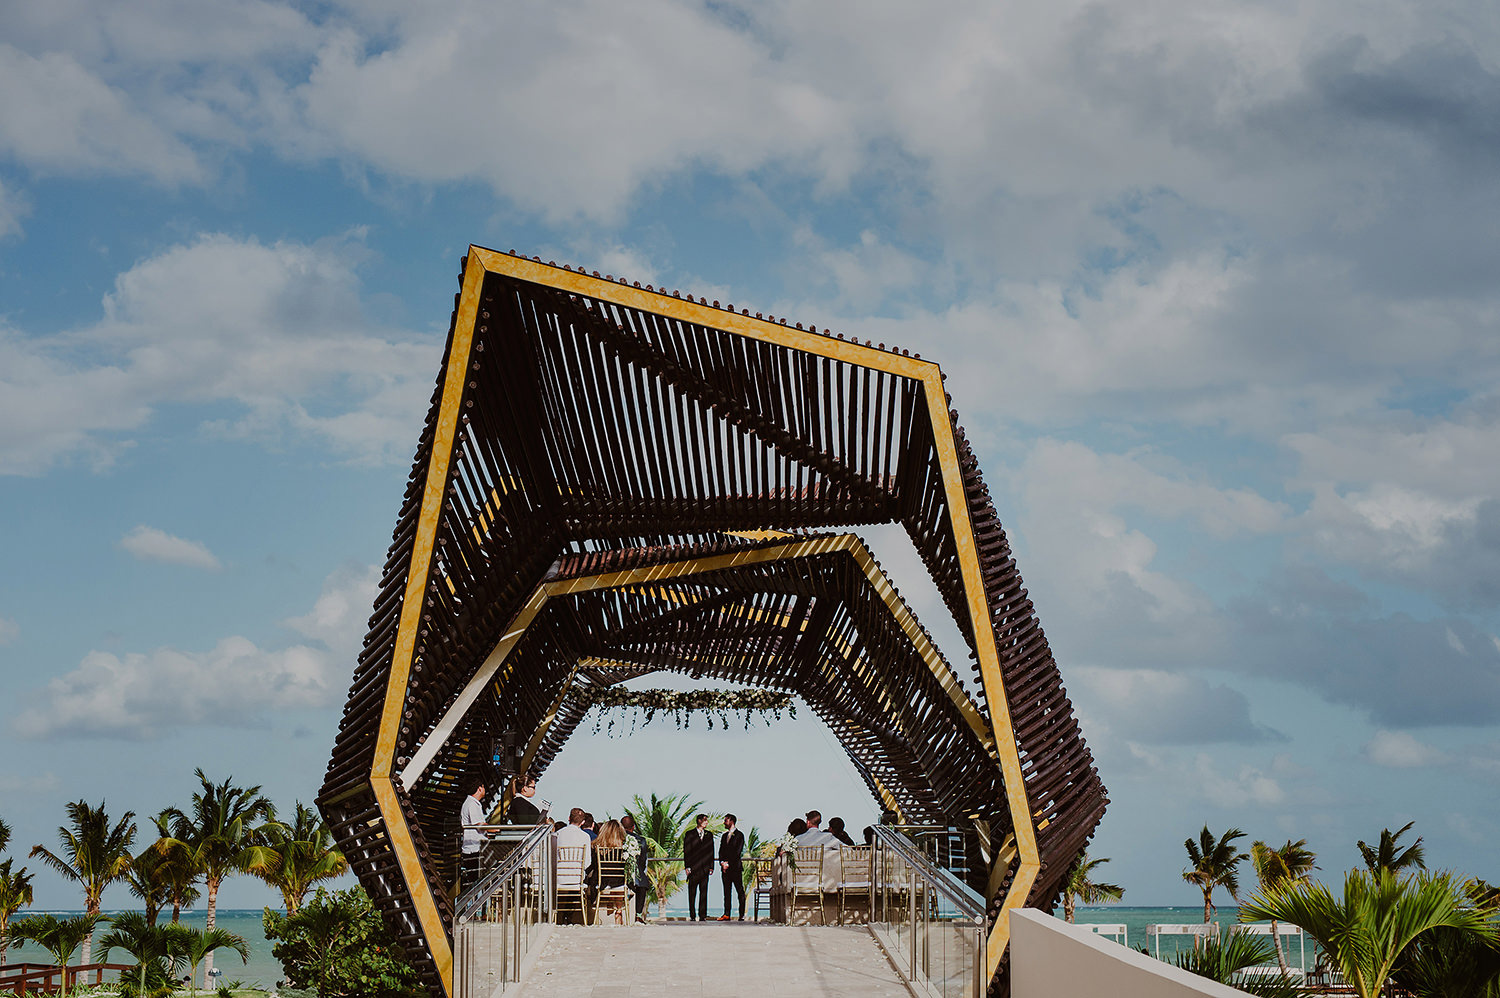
(644, 705)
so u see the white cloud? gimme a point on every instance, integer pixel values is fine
(276, 330)
(144, 695)
(9, 630)
(151, 544)
(1200, 776)
(28, 783)
(234, 684)
(1153, 707)
(1401, 750)
(340, 617)
(62, 118)
(13, 208)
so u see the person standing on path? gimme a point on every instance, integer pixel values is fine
(732, 864)
(698, 857)
(470, 815)
(640, 883)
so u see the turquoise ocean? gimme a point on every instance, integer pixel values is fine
(262, 970)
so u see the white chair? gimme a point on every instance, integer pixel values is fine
(570, 886)
(854, 875)
(807, 878)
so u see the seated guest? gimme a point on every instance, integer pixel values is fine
(573, 834)
(796, 828)
(611, 876)
(836, 829)
(869, 835)
(815, 835)
(589, 826)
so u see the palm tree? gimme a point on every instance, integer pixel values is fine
(15, 894)
(223, 833)
(1445, 963)
(1225, 957)
(94, 854)
(1385, 857)
(754, 844)
(1274, 867)
(1213, 864)
(301, 855)
(1080, 886)
(148, 880)
(1367, 929)
(4, 835)
(662, 820)
(195, 946)
(142, 938)
(58, 936)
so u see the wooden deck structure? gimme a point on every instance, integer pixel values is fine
(614, 480)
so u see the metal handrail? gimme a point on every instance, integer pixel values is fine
(953, 890)
(912, 929)
(474, 899)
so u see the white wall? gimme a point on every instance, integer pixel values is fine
(1051, 959)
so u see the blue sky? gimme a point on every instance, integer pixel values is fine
(1214, 285)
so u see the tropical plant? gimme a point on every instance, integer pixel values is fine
(1081, 887)
(1214, 864)
(1225, 956)
(195, 946)
(300, 855)
(4, 835)
(1379, 914)
(1275, 867)
(150, 944)
(1452, 963)
(222, 833)
(662, 820)
(149, 880)
(58, 936)
(1385, 857)
(94, 854)
(754, 845)
(15, 894)
(337, 944)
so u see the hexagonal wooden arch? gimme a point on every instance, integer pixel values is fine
(613, 480)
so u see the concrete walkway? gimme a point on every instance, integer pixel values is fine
(717, 960)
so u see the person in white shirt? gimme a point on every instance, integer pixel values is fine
(471, 814)
(571, 876)
(817, 836)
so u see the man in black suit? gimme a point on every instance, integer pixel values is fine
(698, 857)
(732, 864)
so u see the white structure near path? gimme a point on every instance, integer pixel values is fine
(1050, 958)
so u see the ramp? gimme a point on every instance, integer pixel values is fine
(714, 960)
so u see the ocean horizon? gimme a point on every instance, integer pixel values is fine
(263, 970)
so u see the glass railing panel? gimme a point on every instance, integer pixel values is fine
(933, 927)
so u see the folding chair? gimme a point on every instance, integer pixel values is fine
(609, 882)
(807, 878)
(570, 884)
(765, 884)
(854, 876)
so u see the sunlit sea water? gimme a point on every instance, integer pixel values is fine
(262, 969)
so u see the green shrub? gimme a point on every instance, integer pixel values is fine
(336, 945)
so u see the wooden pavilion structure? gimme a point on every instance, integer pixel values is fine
(614, 480)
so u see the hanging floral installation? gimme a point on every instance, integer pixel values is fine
(645, 705)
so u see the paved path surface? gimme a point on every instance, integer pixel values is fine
(717, 960)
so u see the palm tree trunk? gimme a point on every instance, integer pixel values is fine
(1208, 906)
(1068, 907)
(1280, 955)
(92, 908)
(213, 899)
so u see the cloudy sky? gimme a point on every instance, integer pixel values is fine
(1214, 284)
